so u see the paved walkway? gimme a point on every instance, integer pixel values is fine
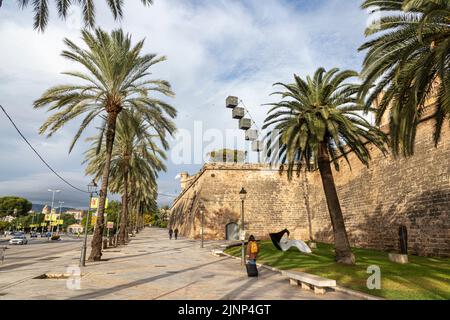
(153, 267)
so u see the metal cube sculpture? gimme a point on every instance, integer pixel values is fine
(257, 146)
(251, 135)
(238, 113)
(245, 124)
(232, 102)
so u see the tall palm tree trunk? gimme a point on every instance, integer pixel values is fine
(96, 244)
(124, 213)
(341, 245)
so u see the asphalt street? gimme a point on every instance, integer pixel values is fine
(23, 261)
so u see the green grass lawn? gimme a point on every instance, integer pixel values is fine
(422, 278)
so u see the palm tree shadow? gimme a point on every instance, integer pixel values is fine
(115, 289)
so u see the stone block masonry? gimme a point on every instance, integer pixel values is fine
(413, 191)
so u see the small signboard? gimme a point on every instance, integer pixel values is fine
(242, 235)
(95, 203)
(110, 225)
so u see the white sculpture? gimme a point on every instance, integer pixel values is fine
(286, 244)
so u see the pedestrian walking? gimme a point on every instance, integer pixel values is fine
(176, 234)
(170, 233)
(252, 255)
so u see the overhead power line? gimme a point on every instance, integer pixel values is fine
(47, 164)
(37, 153)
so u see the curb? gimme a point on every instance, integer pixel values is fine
(358, 294)
(350, 292)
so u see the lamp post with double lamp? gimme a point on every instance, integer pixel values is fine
(242, 195)
(60, 207)
(51, 211)
(92, 188)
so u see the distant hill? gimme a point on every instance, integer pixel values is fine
(38, 208)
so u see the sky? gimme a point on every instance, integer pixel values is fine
(214, 48)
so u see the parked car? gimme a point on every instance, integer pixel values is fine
(33, 235)
(18, 239)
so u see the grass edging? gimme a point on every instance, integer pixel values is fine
(351, 292)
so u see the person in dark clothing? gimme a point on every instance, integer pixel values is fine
(176, 233)
(170, 233)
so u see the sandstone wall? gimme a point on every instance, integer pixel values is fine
(375, 200)
(273, 203)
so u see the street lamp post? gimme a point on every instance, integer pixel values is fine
(53, 202)
(15, 215)
(116, 236)
(32, 223)
(43, 223)
(242, 195)
(60, 204)
(92, 188)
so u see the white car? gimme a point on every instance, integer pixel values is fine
(19, 239)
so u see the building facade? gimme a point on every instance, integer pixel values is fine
(376, 201)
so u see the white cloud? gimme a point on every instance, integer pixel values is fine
(214, 49)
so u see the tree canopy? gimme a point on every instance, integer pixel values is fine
(9, 203)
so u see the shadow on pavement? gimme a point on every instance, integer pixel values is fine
(138, 282)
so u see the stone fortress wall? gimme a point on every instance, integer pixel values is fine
(375, 201)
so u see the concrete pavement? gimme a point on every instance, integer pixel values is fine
(153, 267)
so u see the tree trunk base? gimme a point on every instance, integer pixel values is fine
(94, 259)
(348, 259)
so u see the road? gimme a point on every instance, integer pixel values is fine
(150, 267)
(22, 262)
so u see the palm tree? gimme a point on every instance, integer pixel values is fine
(135, 162)
(116, 79)
(41, 10)
(406, 64)
(317, 122)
